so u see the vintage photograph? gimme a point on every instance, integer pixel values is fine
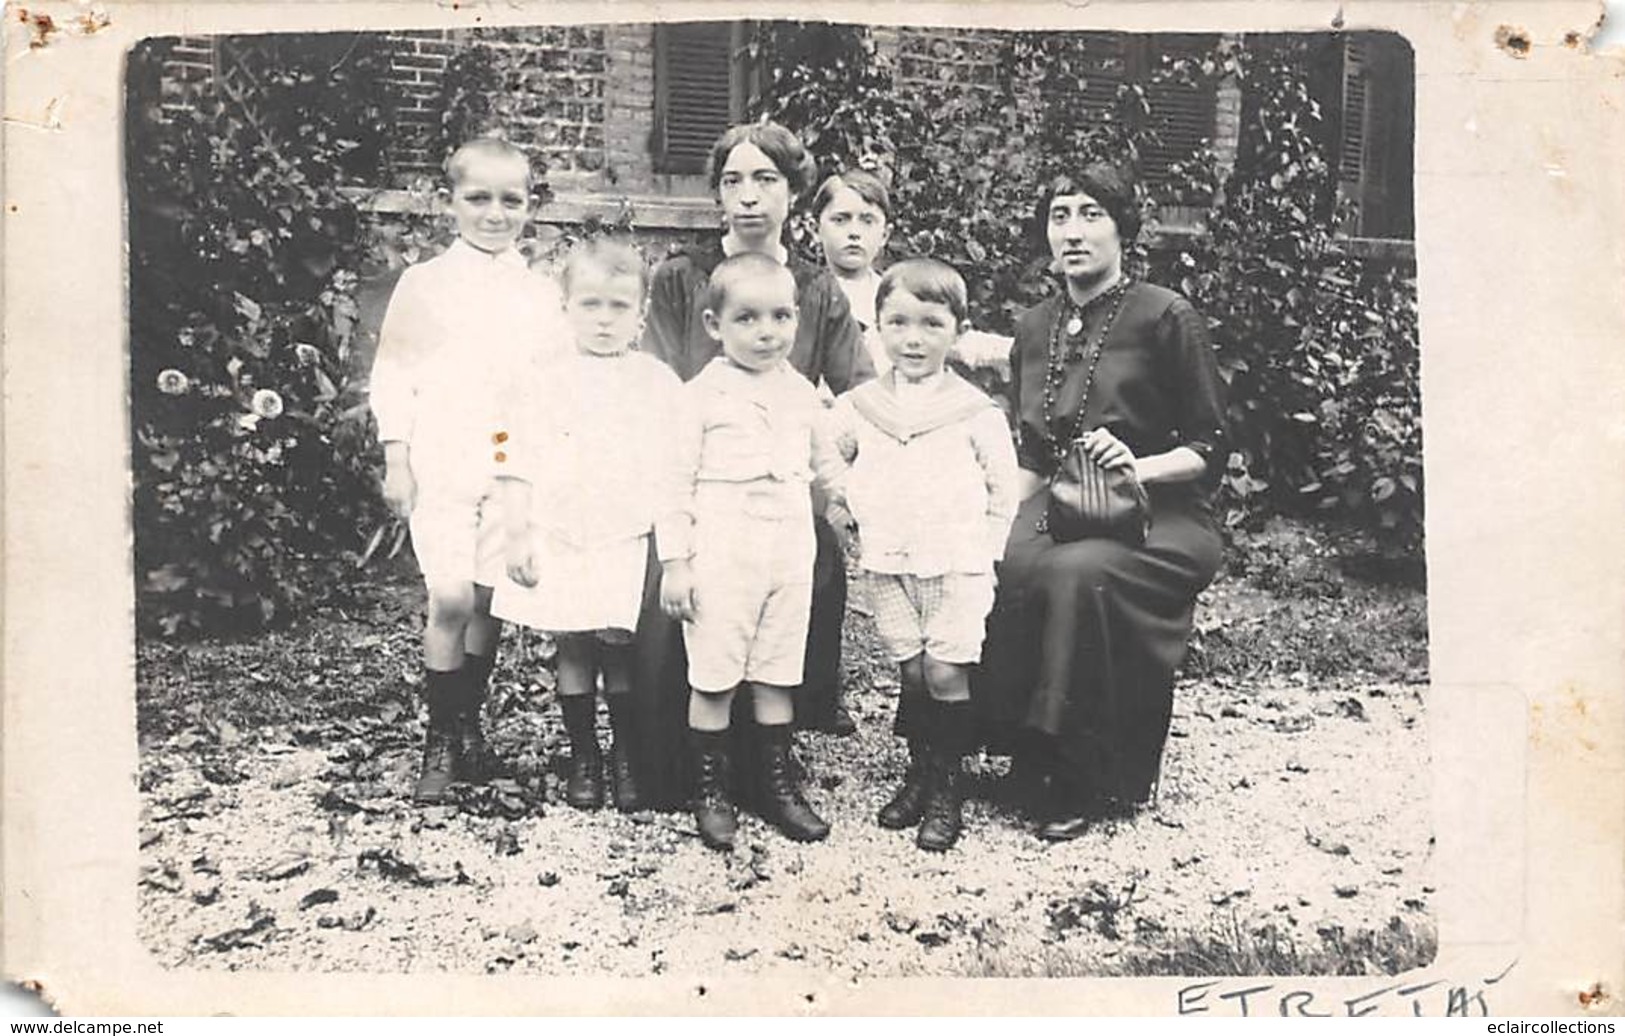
(762, 498)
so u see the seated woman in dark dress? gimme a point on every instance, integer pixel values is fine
(758, 170)
(1085, 636)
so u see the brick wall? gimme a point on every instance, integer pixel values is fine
(553, 96)
(630, 97)
(583, 97)
(417, 67)
(940, 57)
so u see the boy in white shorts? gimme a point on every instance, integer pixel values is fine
(932, 487)
(737, 544)
(458, 329)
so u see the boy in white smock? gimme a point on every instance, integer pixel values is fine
(458, 328)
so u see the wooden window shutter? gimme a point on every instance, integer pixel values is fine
(1105, 68)
(699, 91)
(1376, 160)
(1355, 118)
(1182, 114)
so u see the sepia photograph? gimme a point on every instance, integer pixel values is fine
(721, 510)
(549, 555)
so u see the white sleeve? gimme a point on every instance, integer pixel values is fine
(393, 389)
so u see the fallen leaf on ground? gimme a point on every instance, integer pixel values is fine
(162, 877)
(242, 936)
(318, 897)
(284, 869)
(1334, 848)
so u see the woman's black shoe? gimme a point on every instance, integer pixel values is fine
(1065, 829)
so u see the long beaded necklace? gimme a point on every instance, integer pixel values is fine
(1071, 317)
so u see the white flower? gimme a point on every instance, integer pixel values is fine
(266, 404)
(308, 354)
(172, 382)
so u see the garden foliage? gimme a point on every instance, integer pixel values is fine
(253, 460)
(252, 451)
(1319, 347)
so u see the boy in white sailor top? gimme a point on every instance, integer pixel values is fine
(458, 328)
(932, 488)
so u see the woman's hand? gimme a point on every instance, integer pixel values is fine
(677, 589)
(1180, 464)
(1107, 450)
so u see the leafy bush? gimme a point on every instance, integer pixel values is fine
(964, 158)
(1319, 347)
(250, 441)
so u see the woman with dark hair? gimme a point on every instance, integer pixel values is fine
(757, 171)
(1086, 635)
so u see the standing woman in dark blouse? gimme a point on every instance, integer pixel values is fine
(757, 170)
(1086, 635)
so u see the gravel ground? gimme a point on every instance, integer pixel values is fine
(276, 833)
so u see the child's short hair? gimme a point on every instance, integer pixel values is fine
(612, 256)
(867, 185)
(929, 280)
(785, 149)
(486, 147)
(737, 268)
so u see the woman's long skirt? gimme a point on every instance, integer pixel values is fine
(661, 682)
(1084, 640)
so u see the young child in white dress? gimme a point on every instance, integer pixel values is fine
(458, 330)
(579, 462)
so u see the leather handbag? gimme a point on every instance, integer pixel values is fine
(1087, 500)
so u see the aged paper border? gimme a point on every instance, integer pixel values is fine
(1520, 219)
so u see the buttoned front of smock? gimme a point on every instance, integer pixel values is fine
(747, 445)
(460, 329)
(592, 436)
